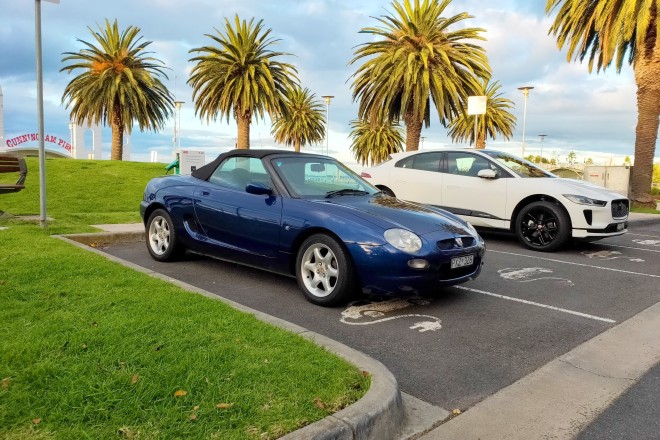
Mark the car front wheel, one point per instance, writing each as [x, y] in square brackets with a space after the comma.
[161, 237]
[324, 271]
[543, 226]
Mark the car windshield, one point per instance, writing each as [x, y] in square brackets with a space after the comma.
[519, 166]
[314, 176]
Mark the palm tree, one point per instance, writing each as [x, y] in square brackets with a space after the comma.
[119, 84]
[497, 119]
[619, 31]
[415, 59]
[303, 122]
[374, 141]
[240, 76]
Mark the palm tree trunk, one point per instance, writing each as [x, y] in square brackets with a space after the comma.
[481, 140]
[243, 121]
[117, 145]
[413, 131]
[647, 66]
[296, 144]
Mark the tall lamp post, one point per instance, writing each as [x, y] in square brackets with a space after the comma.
[525, 91]
[40, 112]
[327, 122]
[177, 124]
[542, 136]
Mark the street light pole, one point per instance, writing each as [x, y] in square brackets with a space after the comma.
[177, 124]
[525, 91]
[327, 122]
[542, 136]
[40, 112]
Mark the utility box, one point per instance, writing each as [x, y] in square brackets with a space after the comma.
[190, 160]
[614, 178]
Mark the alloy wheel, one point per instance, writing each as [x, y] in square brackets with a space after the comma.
[159, 235]
[319, 270]
[539, 227]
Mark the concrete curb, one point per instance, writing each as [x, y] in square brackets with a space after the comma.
[564, 396]
[380, 414]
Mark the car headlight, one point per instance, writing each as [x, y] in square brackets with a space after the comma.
[582, 200]
[403, 240]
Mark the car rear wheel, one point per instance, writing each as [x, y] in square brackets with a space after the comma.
[543, 226]
[161, 237]
[324, 271]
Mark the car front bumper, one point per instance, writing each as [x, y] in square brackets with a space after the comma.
[596, 222]
[382, 269]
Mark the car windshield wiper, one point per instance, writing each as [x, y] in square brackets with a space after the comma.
[346, 192]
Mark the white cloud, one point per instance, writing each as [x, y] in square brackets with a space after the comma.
[575, 109]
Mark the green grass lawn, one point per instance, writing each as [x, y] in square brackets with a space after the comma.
[82, 192]
[91, 349]
[641, 210]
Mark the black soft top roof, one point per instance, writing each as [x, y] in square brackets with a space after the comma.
[205, 172]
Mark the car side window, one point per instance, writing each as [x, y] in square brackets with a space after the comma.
[422, 161]
[467, 164]
[237, 172]
[406, 162]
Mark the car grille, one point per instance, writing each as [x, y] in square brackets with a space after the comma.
[456, 243]
[620, 208]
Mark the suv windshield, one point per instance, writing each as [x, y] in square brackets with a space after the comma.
[314, 176]
[519, 166]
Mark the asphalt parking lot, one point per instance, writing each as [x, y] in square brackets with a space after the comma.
[462, 344]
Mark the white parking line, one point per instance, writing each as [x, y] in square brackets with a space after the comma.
[577, 264]
[532, 303]
[643, 235]
[627, 247]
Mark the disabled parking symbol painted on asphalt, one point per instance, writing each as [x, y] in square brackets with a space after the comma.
[359, 313]
[527, 274]
[609, 255]
[647, 242]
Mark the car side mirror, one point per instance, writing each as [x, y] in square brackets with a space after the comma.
[258, 188]
[487, 173]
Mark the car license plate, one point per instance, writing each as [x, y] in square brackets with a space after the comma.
[466, 260]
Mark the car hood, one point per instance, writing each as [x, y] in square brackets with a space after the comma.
[389, 212]
[588, 189]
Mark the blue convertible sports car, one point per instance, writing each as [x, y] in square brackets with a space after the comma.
[308, 216]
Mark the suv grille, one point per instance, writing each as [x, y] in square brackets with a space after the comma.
[620, 208]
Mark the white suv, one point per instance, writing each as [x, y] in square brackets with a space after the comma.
[494, 189]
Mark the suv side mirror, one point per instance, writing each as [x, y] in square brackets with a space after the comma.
[487, 173]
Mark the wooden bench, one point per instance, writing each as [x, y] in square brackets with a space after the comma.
[12, 164]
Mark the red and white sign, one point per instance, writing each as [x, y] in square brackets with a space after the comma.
[34, 137]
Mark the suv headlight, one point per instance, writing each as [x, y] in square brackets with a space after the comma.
[403, 240]
[582, 200]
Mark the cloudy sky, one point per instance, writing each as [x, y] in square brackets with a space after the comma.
[591, 114]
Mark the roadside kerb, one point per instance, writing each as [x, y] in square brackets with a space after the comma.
[564, 396]
[639, 219]
[383, 413]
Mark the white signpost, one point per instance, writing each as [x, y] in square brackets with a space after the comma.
[476, 107]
